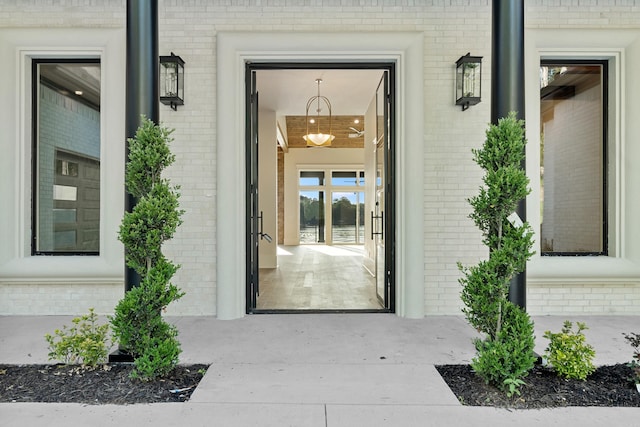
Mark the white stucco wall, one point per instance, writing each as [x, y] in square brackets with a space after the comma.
[437, 175]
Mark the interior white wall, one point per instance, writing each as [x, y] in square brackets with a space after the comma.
[268, 187]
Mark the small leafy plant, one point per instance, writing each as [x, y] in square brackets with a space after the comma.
[85, 342]
[634, 340]
[568, 352]
[513, 386]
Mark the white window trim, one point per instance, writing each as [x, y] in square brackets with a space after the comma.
[16, 262]
[620, 266]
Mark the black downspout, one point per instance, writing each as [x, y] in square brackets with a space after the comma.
[142, 84]
[507, 92]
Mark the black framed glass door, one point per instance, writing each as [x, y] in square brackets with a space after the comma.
[381, 274]
[253, 217]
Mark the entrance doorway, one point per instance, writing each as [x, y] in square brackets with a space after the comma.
[320, 220]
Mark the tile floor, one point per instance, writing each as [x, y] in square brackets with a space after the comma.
[318, 277]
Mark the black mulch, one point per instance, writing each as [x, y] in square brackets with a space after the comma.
[107, 384]
[607, 386]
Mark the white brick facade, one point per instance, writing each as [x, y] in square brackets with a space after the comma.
[448, 177]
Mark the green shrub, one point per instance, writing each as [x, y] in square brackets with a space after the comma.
[504, 360]
[161, 356]
[140, 329]
[505, 355]
[568, 352]
[634, 341]
[85, 342]
[137, 323]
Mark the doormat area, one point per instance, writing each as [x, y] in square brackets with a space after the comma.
[106, 384]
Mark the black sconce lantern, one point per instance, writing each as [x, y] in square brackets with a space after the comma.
[468, 80]
[172, 81]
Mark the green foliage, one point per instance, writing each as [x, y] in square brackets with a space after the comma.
[137, 324]
[506, 354]
[503, 361]
[512, 386]
[569, 353]
[149, 155]
[161, 355]
[634, 340]
[85, 342]
[137, 316]
[153, 220]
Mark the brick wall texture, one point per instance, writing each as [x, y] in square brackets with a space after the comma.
[451, 28]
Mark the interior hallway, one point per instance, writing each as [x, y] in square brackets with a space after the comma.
[318, 277]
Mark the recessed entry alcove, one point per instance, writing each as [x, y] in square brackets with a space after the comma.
[279, 70]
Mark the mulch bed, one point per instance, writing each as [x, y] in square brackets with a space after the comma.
[111, 384]
[106, 384]
[607, 386]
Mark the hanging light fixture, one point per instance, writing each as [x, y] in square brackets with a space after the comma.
[318, 139]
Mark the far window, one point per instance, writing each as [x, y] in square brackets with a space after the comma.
[66, 157]
[573, 157]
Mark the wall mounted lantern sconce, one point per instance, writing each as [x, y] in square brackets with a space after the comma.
[468, 80]
[172, 81]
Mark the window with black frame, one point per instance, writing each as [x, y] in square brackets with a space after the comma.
[66, 157]
[573, 157]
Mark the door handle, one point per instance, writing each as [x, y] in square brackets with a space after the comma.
[381, 232]
[261, 233]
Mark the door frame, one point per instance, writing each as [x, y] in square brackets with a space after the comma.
[388, 69]
[233, 50]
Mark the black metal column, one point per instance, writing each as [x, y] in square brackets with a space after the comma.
[142, 83]
[507, 91]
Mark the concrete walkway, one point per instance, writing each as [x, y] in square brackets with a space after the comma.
[318, 370]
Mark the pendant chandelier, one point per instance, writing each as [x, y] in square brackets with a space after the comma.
[318, 139]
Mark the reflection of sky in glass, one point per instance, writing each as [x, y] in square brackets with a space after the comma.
[313, 195]
[344, 181]
[347, 178]
[311, 178]
[343, 178]
[309, 181]
[351, 196]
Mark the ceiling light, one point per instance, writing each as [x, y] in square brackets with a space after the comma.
[318, 139]
[78, 92]
[356, 121]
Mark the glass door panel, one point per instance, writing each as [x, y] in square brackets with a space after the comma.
[347, 219]
[311, 217]
[377, 216]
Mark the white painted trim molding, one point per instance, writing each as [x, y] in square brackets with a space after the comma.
[234, 50]
[622, 49]
[18, 47]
